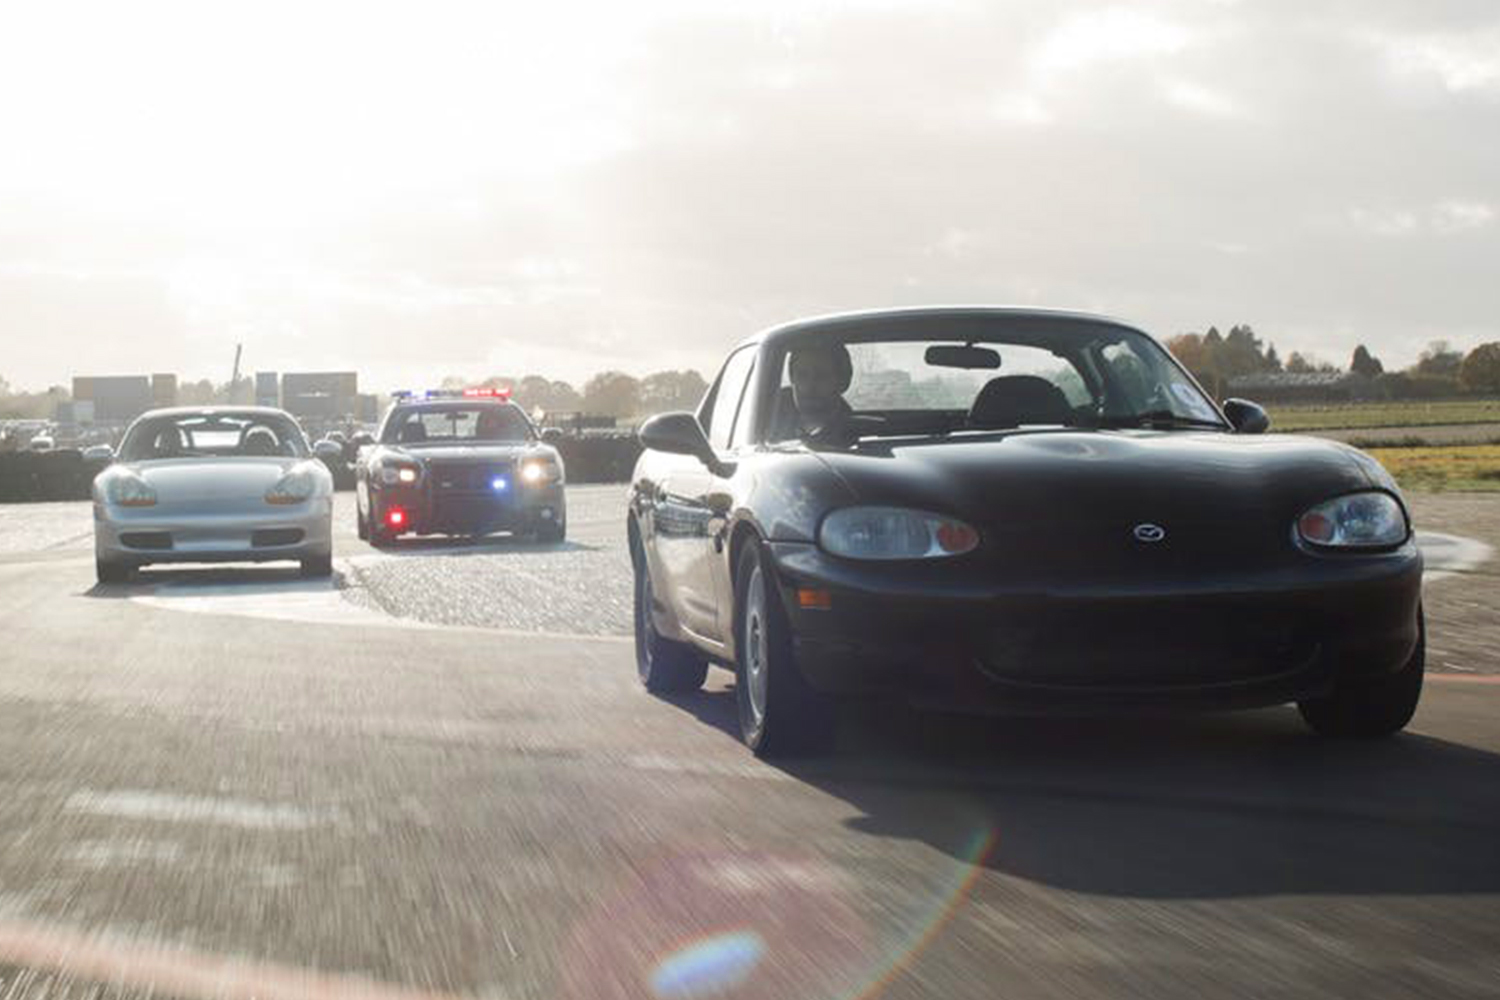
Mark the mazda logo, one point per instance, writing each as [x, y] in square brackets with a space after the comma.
[1149, 532]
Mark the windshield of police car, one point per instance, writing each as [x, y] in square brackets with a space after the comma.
[456, 424]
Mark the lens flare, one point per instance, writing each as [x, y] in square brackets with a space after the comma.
[711, 966]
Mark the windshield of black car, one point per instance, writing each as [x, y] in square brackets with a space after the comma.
[1107, 376]
[456, 424]
[214, 435]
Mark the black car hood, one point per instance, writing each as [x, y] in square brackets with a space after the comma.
[1066, 487]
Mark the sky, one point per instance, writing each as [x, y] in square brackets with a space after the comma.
[418, 190]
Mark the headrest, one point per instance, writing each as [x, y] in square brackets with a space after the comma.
[838, 354]
[412, 430]
[259, 441]
[1013, 400]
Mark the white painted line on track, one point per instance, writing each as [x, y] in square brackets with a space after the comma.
[1446, 555]
[172, 808]
[159, 968]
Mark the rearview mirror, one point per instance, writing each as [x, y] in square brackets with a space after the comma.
[1247, 417]
[681, 434]
[961, 356]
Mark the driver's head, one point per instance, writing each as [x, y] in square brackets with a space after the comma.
[819, 374]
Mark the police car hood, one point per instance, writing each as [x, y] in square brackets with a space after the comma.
[475, 454]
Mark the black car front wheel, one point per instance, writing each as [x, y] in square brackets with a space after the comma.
[665, 666]
[1374, 707]
[361, 523]
[780, 713]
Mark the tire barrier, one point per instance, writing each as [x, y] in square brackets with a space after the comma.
[599, 458]
[30, 477]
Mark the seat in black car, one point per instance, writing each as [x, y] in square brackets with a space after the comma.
[412, 431]
[1013, 400]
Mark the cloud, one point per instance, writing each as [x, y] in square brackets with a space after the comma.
[582, 188]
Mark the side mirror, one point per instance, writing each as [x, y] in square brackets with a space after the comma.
[329, 451]
[1247, 417]
[681, 434]
[552, 435]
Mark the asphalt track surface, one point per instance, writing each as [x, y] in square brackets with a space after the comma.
[230, 782]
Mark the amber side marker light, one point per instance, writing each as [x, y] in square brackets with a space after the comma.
[809, 599]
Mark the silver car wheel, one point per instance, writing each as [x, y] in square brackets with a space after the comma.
[757, 651]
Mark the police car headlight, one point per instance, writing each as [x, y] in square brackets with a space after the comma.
[894, 533]
[1370, 520]
[392, 475]
[126, 489]
[537, 471]
[297, 486]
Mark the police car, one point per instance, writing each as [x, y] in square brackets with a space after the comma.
[459, 463]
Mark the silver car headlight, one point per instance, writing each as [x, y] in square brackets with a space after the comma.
[297, 486]
[1369, 520]
[126, 489]
[894, 533]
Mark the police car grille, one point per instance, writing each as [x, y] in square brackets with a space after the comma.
[467, 478]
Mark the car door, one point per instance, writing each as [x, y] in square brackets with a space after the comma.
[688, 512]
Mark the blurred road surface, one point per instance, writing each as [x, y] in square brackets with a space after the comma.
[441, 778]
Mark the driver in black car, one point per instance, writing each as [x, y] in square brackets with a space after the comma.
[814, 409]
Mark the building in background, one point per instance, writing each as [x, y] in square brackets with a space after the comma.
[267, 389]
[320, 395]
[114, 398]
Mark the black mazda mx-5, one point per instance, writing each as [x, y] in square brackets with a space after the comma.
[1000, 509]
[466, 463]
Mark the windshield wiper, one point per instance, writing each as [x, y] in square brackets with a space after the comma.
[1158, 418]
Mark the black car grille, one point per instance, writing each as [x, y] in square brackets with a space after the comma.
[1165, 643]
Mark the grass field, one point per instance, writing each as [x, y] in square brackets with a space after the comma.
[1336, 416]
[1459, 467]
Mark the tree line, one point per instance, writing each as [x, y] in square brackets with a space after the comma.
[1216, 359]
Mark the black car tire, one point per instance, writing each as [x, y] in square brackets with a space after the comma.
[780, 714]
[664, 665]
[113, 570]
[318, 566]
[1373, 708]
[361, 523]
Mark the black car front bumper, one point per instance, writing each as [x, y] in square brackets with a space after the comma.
[948, 637]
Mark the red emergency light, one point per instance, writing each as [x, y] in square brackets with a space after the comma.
[487, 393]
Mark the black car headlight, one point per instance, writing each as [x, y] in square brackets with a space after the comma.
[894, 533]
[1369, 520]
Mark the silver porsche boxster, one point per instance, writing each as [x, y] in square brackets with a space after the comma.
[214, 484]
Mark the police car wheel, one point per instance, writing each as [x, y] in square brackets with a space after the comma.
[664, 666]
[552, 531]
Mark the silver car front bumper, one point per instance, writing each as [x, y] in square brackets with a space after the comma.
[250, 531]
